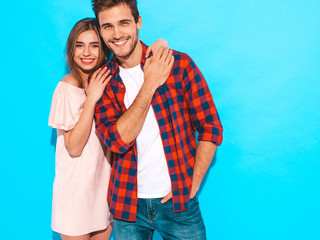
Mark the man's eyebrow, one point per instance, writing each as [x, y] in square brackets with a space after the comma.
[122, 20]
[126, 20]
[105, 24]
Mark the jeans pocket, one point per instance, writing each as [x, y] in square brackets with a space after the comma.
[193, 202]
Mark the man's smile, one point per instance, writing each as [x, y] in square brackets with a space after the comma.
[120, 43]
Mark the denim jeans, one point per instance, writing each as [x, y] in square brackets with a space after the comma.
[153, 215]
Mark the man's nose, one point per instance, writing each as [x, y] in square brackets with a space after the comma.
[117, 33]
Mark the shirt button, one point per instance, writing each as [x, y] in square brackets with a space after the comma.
[175, 188]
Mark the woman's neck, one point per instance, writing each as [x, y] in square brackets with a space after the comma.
[81, 78]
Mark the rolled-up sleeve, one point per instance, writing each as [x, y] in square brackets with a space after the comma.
[106, 116]
[202, 110]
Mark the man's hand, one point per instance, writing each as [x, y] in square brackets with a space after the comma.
[167, 197]
[194, 190]
[204, 154]
[158, 68]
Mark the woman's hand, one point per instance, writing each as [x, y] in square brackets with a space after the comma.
[158, 68]
[77, 138]
[154, 48]
[97, 84]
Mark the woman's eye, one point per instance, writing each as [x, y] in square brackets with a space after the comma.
[78, 45]
[95, 46]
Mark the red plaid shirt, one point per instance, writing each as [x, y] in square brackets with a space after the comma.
[181, 106]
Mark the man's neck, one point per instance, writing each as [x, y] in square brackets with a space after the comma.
[133, 59]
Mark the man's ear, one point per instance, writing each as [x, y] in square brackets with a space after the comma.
[139, 23]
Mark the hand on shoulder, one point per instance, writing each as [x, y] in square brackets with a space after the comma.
[158, 67]
[98, 82]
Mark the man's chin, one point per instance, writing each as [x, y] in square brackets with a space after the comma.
[122, 54]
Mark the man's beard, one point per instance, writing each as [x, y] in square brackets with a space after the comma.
[132, 48]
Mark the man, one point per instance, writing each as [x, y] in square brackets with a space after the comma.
[149, 120]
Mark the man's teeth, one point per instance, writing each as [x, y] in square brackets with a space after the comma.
[120, 43]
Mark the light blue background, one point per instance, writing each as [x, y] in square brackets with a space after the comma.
[261, 60]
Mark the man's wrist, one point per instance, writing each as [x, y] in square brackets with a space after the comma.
[149, 87]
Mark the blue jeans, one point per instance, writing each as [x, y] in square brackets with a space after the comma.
[153, 215]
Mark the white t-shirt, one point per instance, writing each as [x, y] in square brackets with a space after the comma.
[153, 175]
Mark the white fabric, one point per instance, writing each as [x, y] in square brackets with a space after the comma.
[79, 204]
[153, 175]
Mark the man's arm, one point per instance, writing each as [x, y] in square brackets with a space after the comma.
[204, 155]
[156, 72]
[117, 130]
[205, 120]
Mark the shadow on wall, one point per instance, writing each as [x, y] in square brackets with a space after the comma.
[56, 236]
[53, 140]
[66, 69]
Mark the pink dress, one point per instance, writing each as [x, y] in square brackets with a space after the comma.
[79, 204]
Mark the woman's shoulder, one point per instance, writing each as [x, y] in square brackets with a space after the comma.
[67, 103]
[71, 79]
[68, 86]
[70, 83]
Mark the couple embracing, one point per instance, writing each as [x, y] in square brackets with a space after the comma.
[128, 134]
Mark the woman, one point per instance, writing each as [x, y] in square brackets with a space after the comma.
[79, 206]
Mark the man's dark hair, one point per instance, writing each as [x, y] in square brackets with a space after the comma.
[101, 5]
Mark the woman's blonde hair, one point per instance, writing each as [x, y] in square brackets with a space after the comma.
[81, 26]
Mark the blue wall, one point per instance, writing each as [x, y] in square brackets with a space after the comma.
[262, 62]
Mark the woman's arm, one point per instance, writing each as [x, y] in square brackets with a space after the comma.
[77, 138]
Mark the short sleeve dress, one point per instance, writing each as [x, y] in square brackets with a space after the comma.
[79, 204]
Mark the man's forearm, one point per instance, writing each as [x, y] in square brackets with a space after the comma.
[204, 155]
[131, 122]
[156, 71]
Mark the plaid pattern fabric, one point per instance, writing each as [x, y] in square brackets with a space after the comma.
[182, 105]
